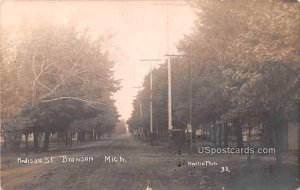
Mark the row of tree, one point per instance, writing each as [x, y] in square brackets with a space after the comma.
[55, 79]
[245, 58]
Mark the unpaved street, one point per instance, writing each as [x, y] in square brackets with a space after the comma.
[139, 164]
[143, 163]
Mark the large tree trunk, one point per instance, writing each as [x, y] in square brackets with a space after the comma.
[71, 139]
[16, 142]
[58, 138]
[91, 136]
[77, 137]
[277, 121]
[249, 142]
[26, 142]
[225, 135]
[239, 135]
[86, 136]
[35, 141]
[214, 134]
[66, 139]
[278, 147]
[95, 136]
[268, 136]
[46, 141]
[81, 136]
[220, 134]
[194, 133]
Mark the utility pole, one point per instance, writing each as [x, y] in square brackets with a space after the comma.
[140, 130]
[170, 125]
[151, 99]
[167, 4]
[190, 105]
[151, 109]
[189, 125]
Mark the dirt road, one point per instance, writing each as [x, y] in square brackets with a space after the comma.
[117, 164]
[134, 164]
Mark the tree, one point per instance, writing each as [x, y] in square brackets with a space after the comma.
[121, 127]
[245, 57]
[45, 68]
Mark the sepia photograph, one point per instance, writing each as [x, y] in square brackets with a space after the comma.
[150, 94]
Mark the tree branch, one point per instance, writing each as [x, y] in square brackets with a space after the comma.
[73, 98]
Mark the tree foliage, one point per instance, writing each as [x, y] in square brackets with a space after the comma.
[246, 66]
[54, 75]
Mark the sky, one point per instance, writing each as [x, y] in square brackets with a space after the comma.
[139, 30]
